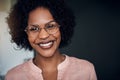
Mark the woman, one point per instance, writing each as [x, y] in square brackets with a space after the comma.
[45, 26]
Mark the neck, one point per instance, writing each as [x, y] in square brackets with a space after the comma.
[48, 63]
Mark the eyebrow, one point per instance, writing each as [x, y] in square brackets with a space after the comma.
[36, 25]
[33, 25]
[51, 21]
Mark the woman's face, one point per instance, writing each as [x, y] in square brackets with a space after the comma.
[46, 43]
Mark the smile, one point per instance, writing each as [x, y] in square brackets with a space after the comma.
[46, 45]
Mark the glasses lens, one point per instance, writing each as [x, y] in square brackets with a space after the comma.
[33, 29]
[52, 27]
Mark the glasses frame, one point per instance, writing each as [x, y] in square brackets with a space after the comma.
[39, 29]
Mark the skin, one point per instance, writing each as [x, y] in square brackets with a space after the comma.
[48, 57]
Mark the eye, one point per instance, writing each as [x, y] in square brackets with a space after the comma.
[33, 29]
[50, 26]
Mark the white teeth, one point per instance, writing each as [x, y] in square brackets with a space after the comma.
[46, 44]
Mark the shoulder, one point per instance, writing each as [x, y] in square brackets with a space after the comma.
[18, 70]
[20, 67]
[82, 69]
[81, 63]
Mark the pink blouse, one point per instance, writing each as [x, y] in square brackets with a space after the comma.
[70, 69]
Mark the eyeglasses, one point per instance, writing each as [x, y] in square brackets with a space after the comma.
[51, 28]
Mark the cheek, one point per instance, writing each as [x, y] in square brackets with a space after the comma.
[58, 36]
[31, 40]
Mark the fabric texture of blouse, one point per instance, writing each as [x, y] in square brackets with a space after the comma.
[70, 69]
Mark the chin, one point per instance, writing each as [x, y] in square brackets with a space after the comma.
[47, 53]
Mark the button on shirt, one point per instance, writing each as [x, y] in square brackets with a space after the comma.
[70, 69]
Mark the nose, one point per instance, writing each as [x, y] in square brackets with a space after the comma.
[43, 34]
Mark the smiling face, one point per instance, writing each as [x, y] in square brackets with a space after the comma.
[45, 44]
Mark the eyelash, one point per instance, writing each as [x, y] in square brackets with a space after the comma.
[34, 29]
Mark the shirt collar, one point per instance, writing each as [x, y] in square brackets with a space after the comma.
[61, 66]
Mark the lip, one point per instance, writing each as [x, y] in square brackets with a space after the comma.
[46, 44]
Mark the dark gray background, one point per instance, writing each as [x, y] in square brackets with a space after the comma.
[96, 35]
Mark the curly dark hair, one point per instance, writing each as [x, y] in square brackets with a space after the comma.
[18, 17]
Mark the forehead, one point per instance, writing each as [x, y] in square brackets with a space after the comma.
[40, 15]
[50, 23]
